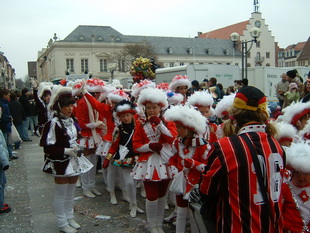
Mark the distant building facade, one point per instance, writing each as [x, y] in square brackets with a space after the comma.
[88, 49]
[262, 54]
[7, 73]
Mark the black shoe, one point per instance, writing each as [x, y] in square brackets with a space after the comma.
[5, 209]
[13, 157]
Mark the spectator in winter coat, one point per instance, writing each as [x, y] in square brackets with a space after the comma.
[26, 105]
[18, 115]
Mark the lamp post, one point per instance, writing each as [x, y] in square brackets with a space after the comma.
[234, 37]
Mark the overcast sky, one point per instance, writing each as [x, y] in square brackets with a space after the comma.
[27, 26]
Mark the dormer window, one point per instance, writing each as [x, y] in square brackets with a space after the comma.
[169, 50]
[208, 51]
[226, 52]
[118, 38]
[100, 38]
[190, 51]
[81, 38]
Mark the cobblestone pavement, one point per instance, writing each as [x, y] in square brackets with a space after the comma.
[30, 192]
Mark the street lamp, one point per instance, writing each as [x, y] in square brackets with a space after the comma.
[234, 37]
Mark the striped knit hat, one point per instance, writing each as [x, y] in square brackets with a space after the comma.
[251, 98]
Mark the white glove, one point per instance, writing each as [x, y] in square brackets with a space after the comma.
[70, 151]
[93, 125]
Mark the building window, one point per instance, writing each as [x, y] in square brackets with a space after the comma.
[200, 63]
[103, 65]
[267, 54]
[181, 63]
[171, 64]
[84, 65]
[249, 54]
[258, 44]
[69, 65]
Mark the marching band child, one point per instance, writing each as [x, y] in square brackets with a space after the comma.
[180, 84]
[188, 162]
[121, 152]
[152, 139]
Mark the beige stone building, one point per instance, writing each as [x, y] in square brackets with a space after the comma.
[87, 50]
[7, 73]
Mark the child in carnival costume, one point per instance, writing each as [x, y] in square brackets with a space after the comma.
[297, 114]
[92, 125]
[221, 112]
[296, 192]
[152, 138]
[63, 159]
[180, 84]
[203, 101]
[121, 152]
[106, 110]
[187, 164]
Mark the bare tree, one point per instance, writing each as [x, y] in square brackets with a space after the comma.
[125, 57]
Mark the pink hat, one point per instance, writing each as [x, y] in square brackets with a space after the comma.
[292, 86]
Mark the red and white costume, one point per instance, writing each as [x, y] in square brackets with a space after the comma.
[151, 166]
[178, 81]
[296, 198]
[188, 163]
[204, 99]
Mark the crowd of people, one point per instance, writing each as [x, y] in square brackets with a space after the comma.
[193, 143]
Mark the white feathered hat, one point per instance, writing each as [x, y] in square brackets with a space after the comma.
[125, 106]
[96, 85]
[200, 99]
[293, 112]
[44, 87]
[298, 156]
[188, 117]
[58, 93]
[117, 95]
[152, 95]
[178, 81]
[77, 88]
[174, 98]
[222, 106]
[285, 131]
[138, 87]
[163, 86]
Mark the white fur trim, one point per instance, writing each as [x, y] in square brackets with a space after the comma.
[77, 87]
[298, 156]
[125, 107]
[285, 130]
[138, 87]
[179, 80]
[295, 108]
[44, 86]
[174, 98]
[117, 96]
[305, 130]
[224, 104]
[57, 91]
[200, 99]
[152, 95]
[188, 116]
[96, 85]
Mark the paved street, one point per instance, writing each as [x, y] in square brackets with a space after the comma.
[30, 192]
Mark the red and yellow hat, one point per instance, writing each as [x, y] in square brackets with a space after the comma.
[251, 98]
